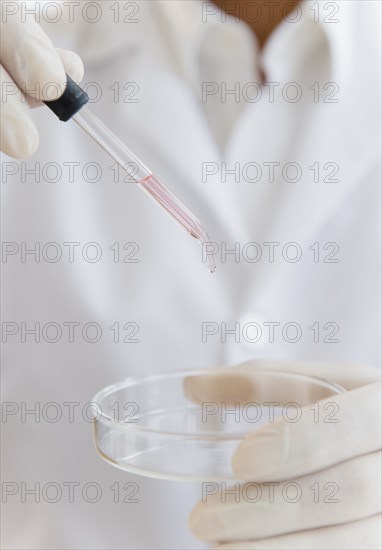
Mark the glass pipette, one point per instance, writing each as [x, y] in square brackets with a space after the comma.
[72, 104]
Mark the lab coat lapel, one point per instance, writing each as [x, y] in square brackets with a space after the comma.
[314, 135]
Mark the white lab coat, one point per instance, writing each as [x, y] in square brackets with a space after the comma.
[170, 293]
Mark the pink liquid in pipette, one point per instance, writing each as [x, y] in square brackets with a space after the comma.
[149, 183]
[178, 212]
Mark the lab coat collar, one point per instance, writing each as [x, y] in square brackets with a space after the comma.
[189, 30]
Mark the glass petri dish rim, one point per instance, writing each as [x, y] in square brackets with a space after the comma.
[100, 416]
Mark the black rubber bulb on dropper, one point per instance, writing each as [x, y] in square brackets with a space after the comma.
[71, 101]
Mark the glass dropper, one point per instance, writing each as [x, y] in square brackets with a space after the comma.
[72, 104]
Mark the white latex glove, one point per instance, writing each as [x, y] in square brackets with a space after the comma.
[27, 59]
[345, 454]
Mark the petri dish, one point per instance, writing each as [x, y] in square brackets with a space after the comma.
[187, 425]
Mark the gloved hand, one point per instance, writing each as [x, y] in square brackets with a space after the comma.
[29, 62]
[337, 467]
